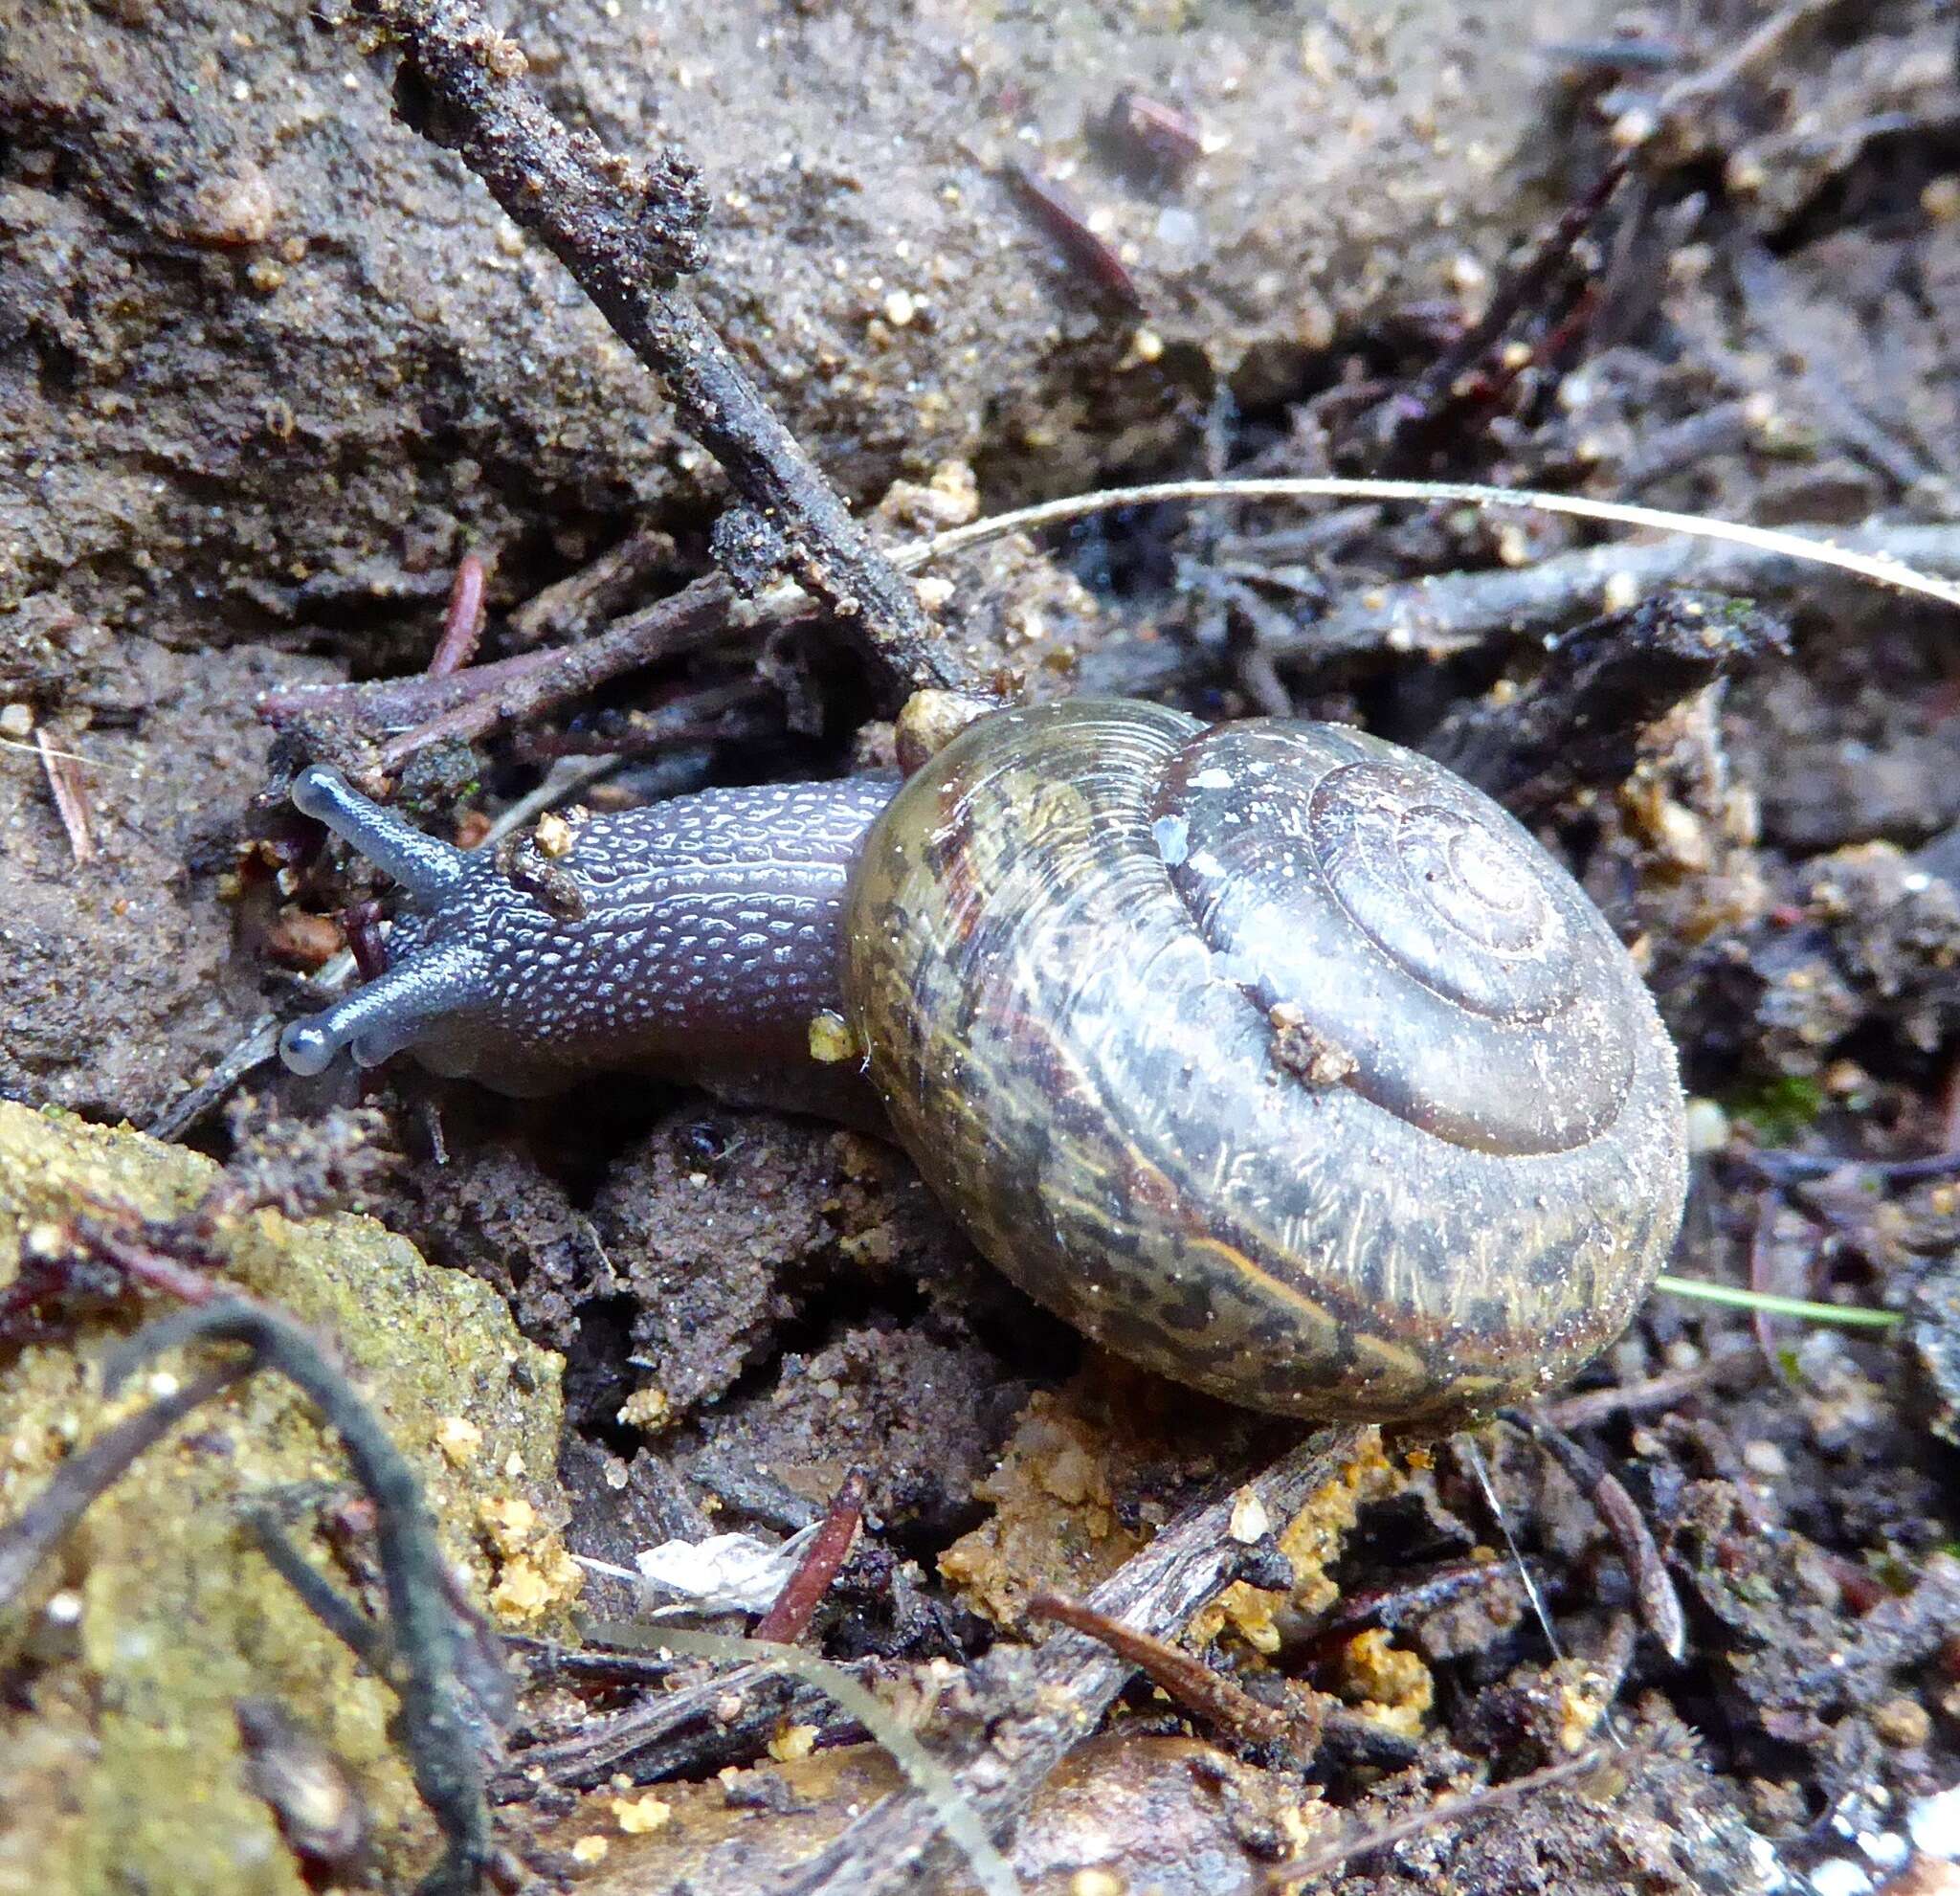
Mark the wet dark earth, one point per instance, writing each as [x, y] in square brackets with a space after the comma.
[273, 367]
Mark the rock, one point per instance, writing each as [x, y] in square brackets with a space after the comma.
[131, 1649]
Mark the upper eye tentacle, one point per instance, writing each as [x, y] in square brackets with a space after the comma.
[427, 867]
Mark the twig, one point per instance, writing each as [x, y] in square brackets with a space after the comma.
[115, 1239]
[321, 1598]
[1786, 1169]
[71, 800]
[85, 1477]
[463, 624]
[1062, 1690]
[688, 1729]
[1722, 428]
[430, 1641]
[258, 1044]
[539, 679]
[467, 704]
[1771, 303]
[712, 714]
[950, 1806]
[1475, 1803]
[139, 1261]
[1436, 394]
[381, 705]
[785, 1620]
[1062, 218]
[1763, 1259]
[627, 231]
[1654, 1593]
[570, 608]
[1741, 58]
[1401, 1600]
[1187, 1680]
[1591, 1407]
[1446, 613]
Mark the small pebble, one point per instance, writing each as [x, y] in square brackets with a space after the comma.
[1839, 1876]
[1765, 1458]
[1902, 1722]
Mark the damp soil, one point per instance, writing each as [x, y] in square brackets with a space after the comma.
[271, 364]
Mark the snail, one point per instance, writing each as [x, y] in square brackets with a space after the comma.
[1271, 1056]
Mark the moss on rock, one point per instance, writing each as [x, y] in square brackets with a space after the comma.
[121, 1764]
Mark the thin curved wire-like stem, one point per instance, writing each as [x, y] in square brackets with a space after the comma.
[1876, 567]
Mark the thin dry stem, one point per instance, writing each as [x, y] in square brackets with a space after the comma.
[1879, 568]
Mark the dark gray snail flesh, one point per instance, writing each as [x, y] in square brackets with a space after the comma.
[1273, 1057]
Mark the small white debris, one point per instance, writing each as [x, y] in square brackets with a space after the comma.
[1839, 1876]
[1215, 777]
[724, 1573]
[1934, 1823]
[1765, 1458]
[1250, 1522]
[1172, 837]
[1708, 1127]
[1887, 1848]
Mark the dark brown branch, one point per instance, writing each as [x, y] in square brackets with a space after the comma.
[691, 1730]
[462, 624]
[571, 607]
[537, 681]
[1059, 1693]
[714, 714]
[626, 231]
[1189, 1680]
[71, 797]
[803, 1590]
[1442, 390]
[1590, 1407]
[1402, 1600]
[470, 703]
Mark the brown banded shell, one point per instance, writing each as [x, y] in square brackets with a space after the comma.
[1271, 1056]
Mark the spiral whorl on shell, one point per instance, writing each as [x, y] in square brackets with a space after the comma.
[1274, 1057]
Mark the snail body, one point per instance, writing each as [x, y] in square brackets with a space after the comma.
[1269, 1055]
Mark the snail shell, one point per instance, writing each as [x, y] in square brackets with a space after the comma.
[1271, 1056]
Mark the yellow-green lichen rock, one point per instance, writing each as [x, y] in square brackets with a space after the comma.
[121, 1768]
